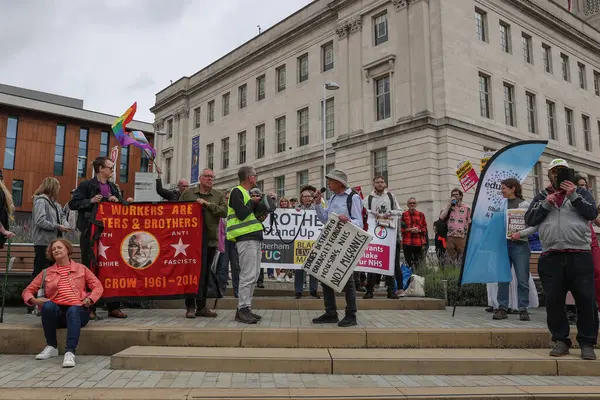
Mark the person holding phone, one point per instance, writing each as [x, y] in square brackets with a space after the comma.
[563, 213]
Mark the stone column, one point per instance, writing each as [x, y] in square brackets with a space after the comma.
[181, 145]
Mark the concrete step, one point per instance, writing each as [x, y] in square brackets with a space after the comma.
[274, 289]
[307, 303]
[354, 361]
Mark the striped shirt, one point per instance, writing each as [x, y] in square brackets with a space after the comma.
[66, 295]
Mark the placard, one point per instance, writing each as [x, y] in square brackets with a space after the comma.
[466, 175]
[380, 254]
[515, 221]
[145, 187]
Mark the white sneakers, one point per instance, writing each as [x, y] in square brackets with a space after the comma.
[50, 352]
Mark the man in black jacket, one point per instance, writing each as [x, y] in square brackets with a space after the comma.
[84, 199]
[173, 194]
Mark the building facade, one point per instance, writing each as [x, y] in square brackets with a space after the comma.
[423, 85]
[45, 135]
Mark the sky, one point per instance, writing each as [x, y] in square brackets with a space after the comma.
[111, 53]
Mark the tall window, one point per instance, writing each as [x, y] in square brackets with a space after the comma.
[260, 88]
[104, 141]
[82, 152]
[379, 163]
[302, 178]
[547, 58]
[509, 104]
[303, 126]
[582, 76]
[382, 98]
[380, 24]
[505, 43]
[59, 149]
[168, 167]
[210, 156]
[531, 112]
[527, 48]
[243, 93]
[587, 138]
[330, 115]
[597, 83]
[538, 178]
[17, 192]
[281, 78]
[569, 126]
[242, 148]
[485, 108]
[303, 68]
[197, 117]
[260, 141]
[144, 162]
[566, 70]
[280, 134]
[280, 186]
[551, 112]
[226, 98]
[11, 142]
[169, 128]
[481, 25]
[592, 184]
[124, 167]
[327, 56]
[225, 152]
[261, 185]
[211, 111]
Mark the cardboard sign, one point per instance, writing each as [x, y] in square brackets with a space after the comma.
[380, 254]
[515, 221]
[145, 187]
[486, 157]
[466, 175]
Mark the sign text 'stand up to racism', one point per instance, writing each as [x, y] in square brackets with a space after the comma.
[149, 250]
[336, 252]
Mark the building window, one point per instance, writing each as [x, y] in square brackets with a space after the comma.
[531, 112]
[280, 186]
[260, 141]
[242, 148]
[82, 152]
[381, 29]
[551, 111]
[509, 105]
[379, 163]
[243, 93]
[211, 111]
[169, 128]
[582, 77]
[124, 167]
[17, 192]
[547, 58]
[261, 186]
[280, 78]
[225, 152]
[144, 162]
[592, 185]
[485, 108]
[566, 71]
[587, 138]
[330, 115]
[59, 149]
[538, 178]
[481, 25]
[11, 142]
[327, 56]
[210, 156]
[280, 134]
[569, 126]
[303, 126]
[301, 180]
[597, 83]
[104, 138]
[197, 118]
[527, 48]
[505, 43]
[260, 88]
[329, 168]
[303, 68]
[226, 98]
[382, 98]
[168, 163]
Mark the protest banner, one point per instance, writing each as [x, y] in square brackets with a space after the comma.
[380, 254]
[515, 221]
[195, 168]
[114, 155]
[336, 252]
[486, 157]
[466, 175]
[149, 251]
[145, 187]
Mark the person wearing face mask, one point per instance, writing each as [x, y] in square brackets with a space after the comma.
[563, 212]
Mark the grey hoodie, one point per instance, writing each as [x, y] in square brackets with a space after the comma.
[47, 216]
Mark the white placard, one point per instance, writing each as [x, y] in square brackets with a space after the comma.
[145, 187]
[380, 254]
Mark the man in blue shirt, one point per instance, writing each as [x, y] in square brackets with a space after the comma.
[338, 184]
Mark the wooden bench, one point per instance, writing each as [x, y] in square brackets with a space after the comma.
[533, 264]
[22, 256]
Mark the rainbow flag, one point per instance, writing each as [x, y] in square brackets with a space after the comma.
[135, 138]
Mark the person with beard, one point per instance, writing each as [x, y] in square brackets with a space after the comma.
[564, 212]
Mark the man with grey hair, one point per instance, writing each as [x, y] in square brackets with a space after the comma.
[173, 194]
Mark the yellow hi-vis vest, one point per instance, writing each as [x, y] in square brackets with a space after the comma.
[236, 227]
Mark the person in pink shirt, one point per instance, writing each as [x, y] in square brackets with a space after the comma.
[458, 217]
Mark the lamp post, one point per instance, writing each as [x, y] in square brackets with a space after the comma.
[77, 169]
[327, 86]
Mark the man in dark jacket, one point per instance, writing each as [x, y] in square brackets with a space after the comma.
[84, 199]
[172, 194]
[563, 213]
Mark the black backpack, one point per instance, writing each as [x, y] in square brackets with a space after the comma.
[349, 207]
[441, 225]
[370, 200]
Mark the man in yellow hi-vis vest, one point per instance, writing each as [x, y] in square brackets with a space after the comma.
[247, 232]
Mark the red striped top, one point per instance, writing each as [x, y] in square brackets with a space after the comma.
[66, 294]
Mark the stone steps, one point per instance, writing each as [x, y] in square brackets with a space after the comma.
[354, 361]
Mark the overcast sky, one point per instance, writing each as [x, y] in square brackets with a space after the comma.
[111, 53]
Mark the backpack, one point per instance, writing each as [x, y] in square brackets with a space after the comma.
[370, 200]
[365, 216]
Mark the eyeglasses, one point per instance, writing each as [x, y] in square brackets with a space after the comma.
[111, 168]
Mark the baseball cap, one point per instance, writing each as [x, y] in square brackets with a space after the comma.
[558, 162]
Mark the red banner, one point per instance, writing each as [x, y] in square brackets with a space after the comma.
[149, 250]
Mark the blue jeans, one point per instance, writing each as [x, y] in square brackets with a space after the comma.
[299, 282]
[71, 317]
[518, 255]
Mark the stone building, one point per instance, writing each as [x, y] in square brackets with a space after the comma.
[423, 84]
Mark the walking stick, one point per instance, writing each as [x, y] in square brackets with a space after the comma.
[5, 282]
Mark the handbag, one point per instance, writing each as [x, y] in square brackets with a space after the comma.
[41, 293]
